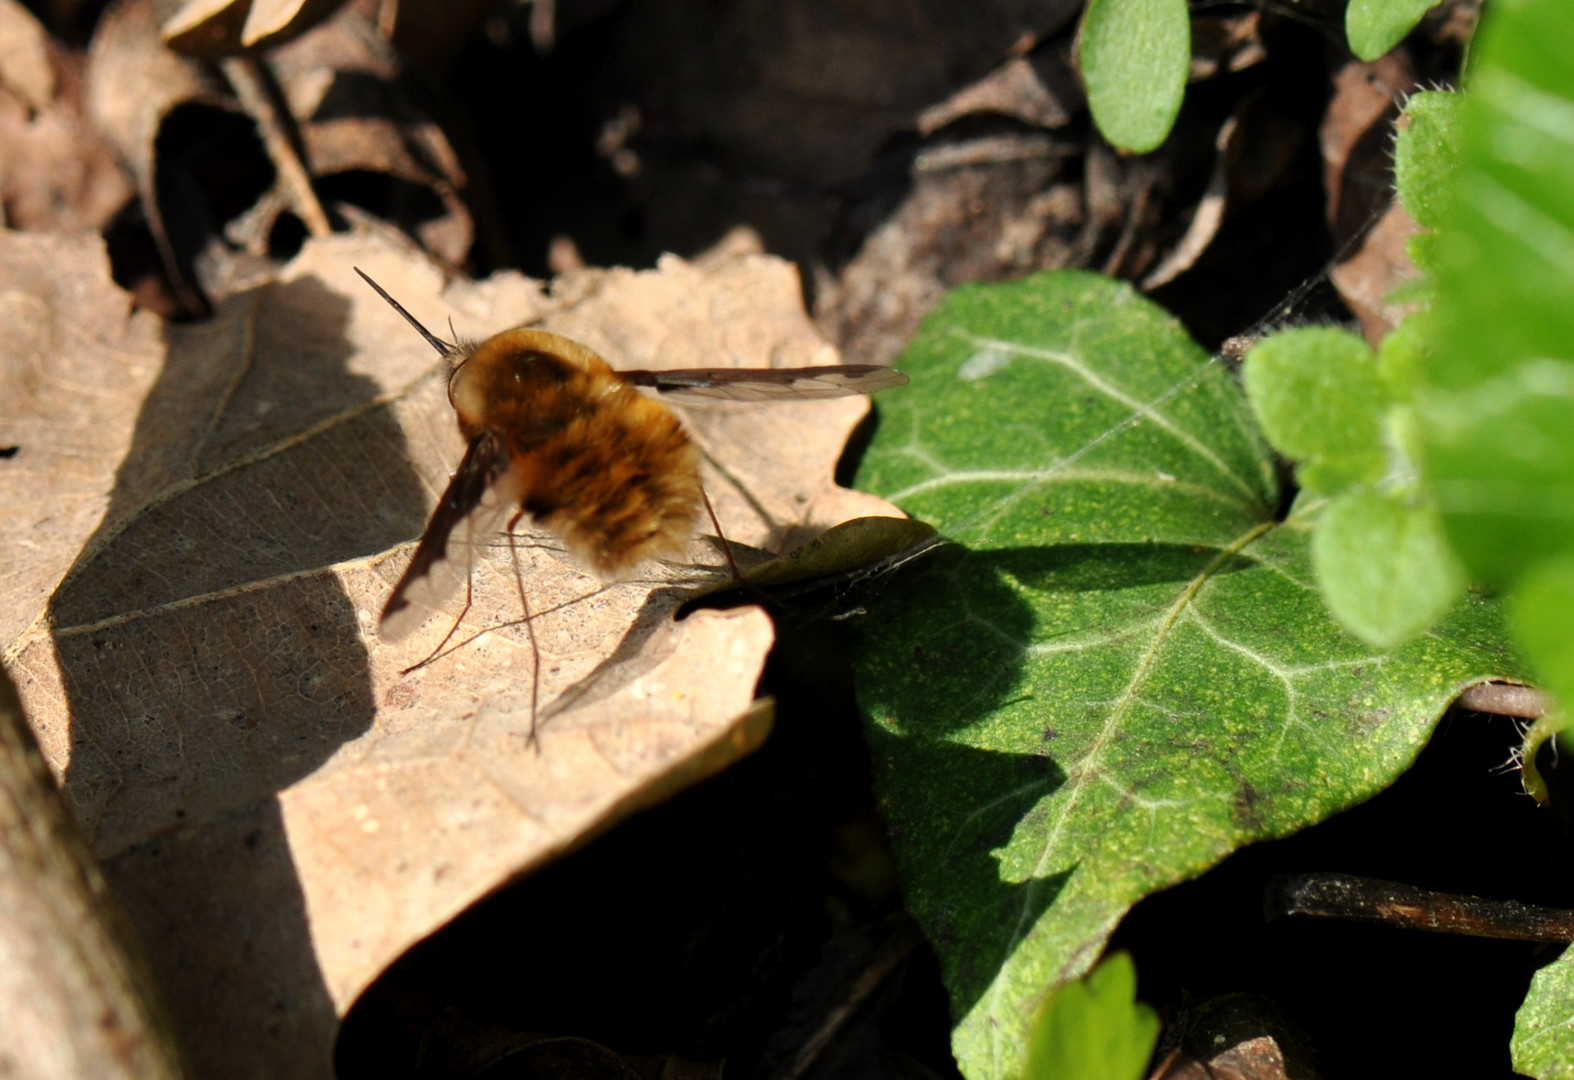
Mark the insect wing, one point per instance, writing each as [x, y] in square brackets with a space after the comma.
[767, 384]
[470, 512]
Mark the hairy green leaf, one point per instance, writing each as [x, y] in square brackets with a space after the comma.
[1320, 398]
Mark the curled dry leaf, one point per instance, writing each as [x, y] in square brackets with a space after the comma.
[225, 511]
[202, 173]
[56, 173]
[1040, 90]
[1369, 225]
[339, 83]
[1356, 138]
[1254, 148]
[1370, 276]
[133, 84]
[214, 28]
[25, 70]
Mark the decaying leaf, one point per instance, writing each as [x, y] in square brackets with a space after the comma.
[201, 161]
[212, 28]
[340, 83]
[280, 808]
[56, 173]
[74, 361]
[25, 69]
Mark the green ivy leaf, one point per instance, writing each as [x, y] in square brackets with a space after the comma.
[1372, 27]
[1320, 398]
[1126, 673]
[1543, 1042]
[1135, 55]
[1095, 1028]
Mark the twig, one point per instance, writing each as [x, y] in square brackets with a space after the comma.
[1506, 699]
[876, 973]
[246, 77]
[75, 998]
[1345, 896]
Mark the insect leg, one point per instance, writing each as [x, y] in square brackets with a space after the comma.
[435, 653]
[530, 628]
[726, 548]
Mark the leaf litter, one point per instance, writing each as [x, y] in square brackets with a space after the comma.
[283, 811]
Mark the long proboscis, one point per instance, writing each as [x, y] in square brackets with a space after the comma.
[443, 347]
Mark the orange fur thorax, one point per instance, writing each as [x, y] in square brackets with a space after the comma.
[592, 459]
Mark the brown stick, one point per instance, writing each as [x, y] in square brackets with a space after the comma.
[1345, 896]
[1506, 699]
[247, 80]
[76, 999]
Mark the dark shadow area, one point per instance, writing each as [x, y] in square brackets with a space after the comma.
[722, 926]
[208, 667]
[1276, 244]
[968, 903]
[1104, 567]
[405, 203]
[210, 167]
[942, 653]
[951, 638]
[1374, 1001]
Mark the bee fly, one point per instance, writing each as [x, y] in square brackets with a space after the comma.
[555, 434]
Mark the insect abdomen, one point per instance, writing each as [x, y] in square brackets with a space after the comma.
[609, 470]
[620, 484]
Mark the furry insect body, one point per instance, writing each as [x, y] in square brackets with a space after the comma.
[591, 459]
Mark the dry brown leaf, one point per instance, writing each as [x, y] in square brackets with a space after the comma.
[73, 356]
[133, 84]
[1356, 139]
[339, 82]
[1041, 90]
[213, 28]
[1375, 271]
[56, 173]
[25, 69]
[1369, 226]
[281, 810]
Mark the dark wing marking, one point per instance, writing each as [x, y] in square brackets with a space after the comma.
[767, 384]
[468, 513]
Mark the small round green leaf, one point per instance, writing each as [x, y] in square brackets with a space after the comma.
[1320, 399]
[1384, 567]
[1135, 55]
[1372, 27]
[1094, 1028]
